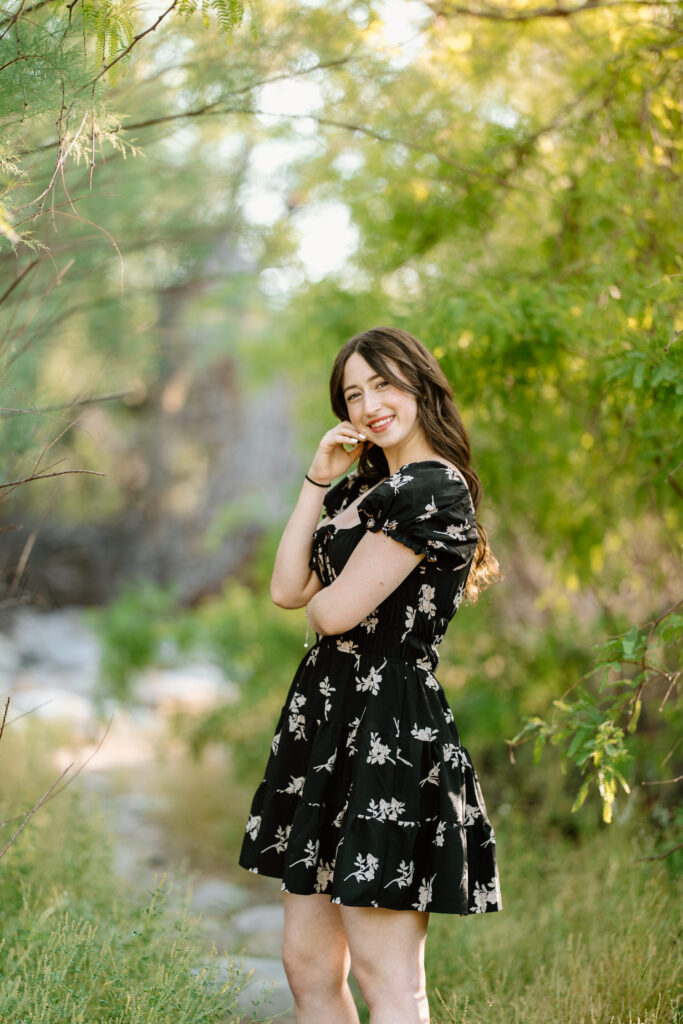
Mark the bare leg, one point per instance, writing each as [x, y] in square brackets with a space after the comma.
[387, 959]
[317, 960]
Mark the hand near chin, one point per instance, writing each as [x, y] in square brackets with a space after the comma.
[331, 458]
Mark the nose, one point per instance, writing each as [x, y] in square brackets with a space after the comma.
[371, 406]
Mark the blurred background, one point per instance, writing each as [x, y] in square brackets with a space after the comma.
[200, 202]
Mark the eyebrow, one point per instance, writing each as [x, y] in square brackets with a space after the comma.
[349, 386]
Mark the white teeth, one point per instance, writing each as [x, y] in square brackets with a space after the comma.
[380, 423]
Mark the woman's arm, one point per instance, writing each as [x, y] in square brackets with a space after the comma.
[293, 584]
[376, 567]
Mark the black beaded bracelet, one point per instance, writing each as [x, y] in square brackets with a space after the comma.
[316, 482]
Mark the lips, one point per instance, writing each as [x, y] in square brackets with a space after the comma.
[381, 423]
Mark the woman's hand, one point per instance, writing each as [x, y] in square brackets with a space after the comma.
[331, 459]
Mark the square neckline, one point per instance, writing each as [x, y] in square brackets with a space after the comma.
[417, 462]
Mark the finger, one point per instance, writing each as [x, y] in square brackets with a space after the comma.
[346, 439]
[352, 432]
[346, 426]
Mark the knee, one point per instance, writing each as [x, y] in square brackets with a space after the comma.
[391, 984]
[313, 970]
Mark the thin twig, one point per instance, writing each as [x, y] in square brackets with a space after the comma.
[78, 771]
[45, 476]
[660, 856]
[109, 397]
[668, 692]
[33, 810]
[136, 39]
[30, 711]
[23, 559]
[88, 759]
[4, 718]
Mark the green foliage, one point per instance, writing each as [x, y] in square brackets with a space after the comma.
[75, 947]
[130, 633]
[256, 644]
[592, 731]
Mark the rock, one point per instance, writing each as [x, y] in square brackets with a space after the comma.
[267, 973]
[130, 742]
[265, 917]
[9, 658]
[261, 928]
[58, 639]
[51, 704]
[217, 932]
[193, 688]
[217, 896]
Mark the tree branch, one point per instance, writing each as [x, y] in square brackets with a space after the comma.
[558, 11]
[134, 41]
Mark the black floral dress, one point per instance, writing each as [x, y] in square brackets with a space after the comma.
[368, 794]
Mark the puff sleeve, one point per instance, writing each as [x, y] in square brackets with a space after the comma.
[427, 507]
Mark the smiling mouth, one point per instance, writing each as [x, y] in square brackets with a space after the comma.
[381, 424]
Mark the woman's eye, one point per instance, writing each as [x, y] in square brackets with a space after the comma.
[382, 384]
[354, 394]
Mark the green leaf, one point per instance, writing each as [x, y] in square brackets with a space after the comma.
[581, 795]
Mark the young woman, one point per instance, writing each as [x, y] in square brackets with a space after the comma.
[370, 810]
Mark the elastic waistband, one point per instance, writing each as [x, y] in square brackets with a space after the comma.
[383, 645]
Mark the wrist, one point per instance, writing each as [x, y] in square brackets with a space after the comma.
[317, 481]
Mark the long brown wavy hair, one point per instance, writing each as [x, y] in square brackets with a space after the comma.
[387, 349]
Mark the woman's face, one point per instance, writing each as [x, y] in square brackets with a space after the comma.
[384, 413]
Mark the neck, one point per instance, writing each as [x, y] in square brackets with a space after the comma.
[399, 455]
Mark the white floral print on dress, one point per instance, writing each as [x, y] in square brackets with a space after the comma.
[439, 837]
[456, 531]
[424, 896]
[371, 681]
[426, 600]
[431, 682]
[379, 752]
[398, 480]
[253, 825]
[430, 509]
[297, 721]
[483, 894]
[472, 814]
[385, 810]
[433, 775]
[324, 876]
[410, 621]
[405, 875]
[454, 756]
[312, 656]
[281, 840]
[426, 733]
[369, 623]
[347, 646]
[365, 868]
[351, 738]
[294, 786]
[328, 765]
[310, 855]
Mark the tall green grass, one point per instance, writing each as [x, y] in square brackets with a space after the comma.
[589, 934]
[75, 946]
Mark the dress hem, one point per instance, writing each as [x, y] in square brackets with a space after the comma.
[375, 905]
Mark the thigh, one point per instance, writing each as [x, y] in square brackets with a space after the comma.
[392, 941]
[313, 925]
